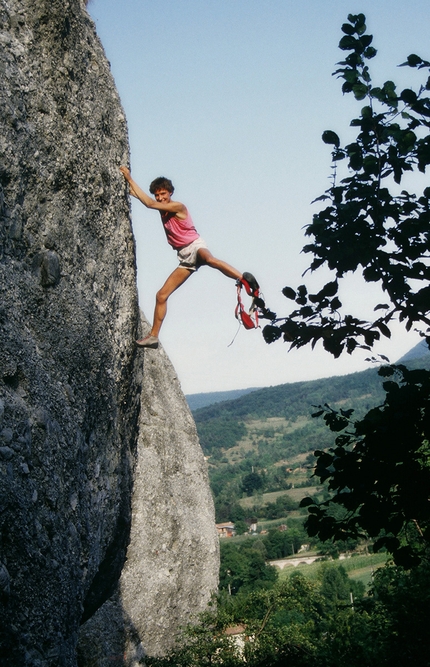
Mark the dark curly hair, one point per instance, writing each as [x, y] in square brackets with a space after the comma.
[161, 183]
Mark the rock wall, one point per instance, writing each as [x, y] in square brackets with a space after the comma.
[172, 560]
[70, 378]
[68, 318]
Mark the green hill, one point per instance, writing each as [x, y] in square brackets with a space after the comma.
[283, 409]
[263, 441]
[196, 401]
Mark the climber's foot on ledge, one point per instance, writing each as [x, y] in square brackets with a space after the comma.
[148, 341]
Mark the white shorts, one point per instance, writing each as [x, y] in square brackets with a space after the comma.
[187, 255]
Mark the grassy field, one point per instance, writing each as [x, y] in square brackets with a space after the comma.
[260, 430]
[294, 494]
[360, 568]
[274, 523]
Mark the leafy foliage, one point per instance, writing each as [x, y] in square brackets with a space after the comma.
[369, 224]
[336, 587]
[303, 623]
[243, 567]
[273, 441]
[379, 470]
[226, 431]
[400, 606]
[252, 482]
[244, 564]
[279, 544]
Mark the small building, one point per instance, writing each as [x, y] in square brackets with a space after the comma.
[252, 525]
[226, 529]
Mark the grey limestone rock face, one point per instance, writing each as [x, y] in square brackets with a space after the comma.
[172, 559]
[68, 316]
[70, 377]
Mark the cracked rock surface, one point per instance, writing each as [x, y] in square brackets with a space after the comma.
[172, 559]
[72, 444]
[68, 316]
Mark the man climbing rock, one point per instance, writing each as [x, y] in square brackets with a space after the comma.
[191, 249]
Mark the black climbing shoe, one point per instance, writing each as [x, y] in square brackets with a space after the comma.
[250, 284]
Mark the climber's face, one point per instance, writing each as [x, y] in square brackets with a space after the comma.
[163, 196]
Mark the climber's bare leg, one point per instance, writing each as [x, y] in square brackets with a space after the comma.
[175, 280]
[207, 258]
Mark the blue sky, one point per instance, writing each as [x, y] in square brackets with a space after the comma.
[229, 99]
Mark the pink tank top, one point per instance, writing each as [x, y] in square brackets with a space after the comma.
[179, 232]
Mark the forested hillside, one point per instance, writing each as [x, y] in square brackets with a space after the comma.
[263, 442]
[196, 401]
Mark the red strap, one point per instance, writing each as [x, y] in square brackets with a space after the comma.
[248, 289]
[249, 320]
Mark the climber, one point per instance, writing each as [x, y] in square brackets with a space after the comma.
[192, 251]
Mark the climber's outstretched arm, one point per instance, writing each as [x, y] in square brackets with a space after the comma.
[162, 202]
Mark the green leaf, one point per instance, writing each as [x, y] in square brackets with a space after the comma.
[271, 333]
[408, 96]
[306, 311]
[381, 306]
[335, 422]
[333, 346]
[377, 93]
[360, 91]
[366, 40]
[289, 293]
[370, 52]
[330, 289]
[413, 60]
[348, 42]
[406, 558]
[350, 75]
[337, 155]
[348, 29]
[389, 89]
[355, 156]
[371, 164]
[383, 329]
[390, 386]
[360, 24]
[371, 274]
[330, 137]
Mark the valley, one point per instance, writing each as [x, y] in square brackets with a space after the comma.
[259, 446]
